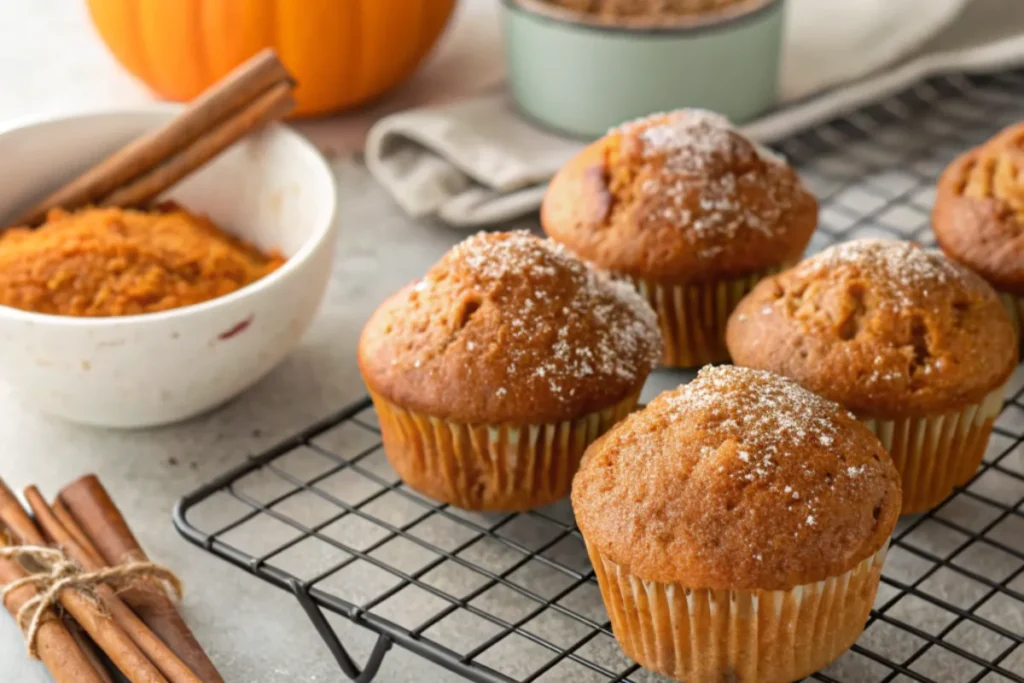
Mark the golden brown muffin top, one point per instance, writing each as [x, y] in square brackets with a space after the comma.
[508, 327]
[680, 197]
[740, 479]
[979, 210]
[885, 328]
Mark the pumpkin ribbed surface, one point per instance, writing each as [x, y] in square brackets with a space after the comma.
[342, 53]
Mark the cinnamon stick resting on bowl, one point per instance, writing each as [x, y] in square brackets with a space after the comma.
[256, 93]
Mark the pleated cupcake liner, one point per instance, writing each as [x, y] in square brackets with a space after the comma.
[1015, 307]
[693, 316]
[936, 454]
[501, 467]
[742, 636]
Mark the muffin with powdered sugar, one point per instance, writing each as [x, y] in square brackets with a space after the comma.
[737, 526]
[914, 344]
[493, 373]
[979, 215]
[688, 210]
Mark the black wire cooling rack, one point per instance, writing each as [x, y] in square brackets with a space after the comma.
[513, 599]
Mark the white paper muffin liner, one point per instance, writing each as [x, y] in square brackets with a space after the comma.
[693, 316]
[936, 454]
[501, 467]
[741, 636]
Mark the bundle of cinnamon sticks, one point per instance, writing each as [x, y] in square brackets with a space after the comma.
[254, 94]
[139, 630]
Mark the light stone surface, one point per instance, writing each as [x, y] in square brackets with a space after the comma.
[51, 62]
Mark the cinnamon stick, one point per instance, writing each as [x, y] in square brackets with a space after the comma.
[60, 510]
[110, 637]
[271, 105]
[142, 155]
[87, 647]
[58, 650]
[88, 512]
[161, 656]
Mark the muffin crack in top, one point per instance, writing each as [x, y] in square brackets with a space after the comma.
[701, 156]
[775, 419]
[997, 172]
[740, 479]
[680, 196]
[514, 326]
[903, 273]
[979, 210]
[883, 327]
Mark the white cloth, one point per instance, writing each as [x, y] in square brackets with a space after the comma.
[476, 162]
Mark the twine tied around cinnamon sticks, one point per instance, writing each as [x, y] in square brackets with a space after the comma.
[59, 573]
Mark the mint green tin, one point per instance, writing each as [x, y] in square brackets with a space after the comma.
[582, 78]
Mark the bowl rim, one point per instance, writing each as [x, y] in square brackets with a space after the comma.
[716, 21]
[291, 264]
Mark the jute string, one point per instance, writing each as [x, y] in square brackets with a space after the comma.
[59, 573]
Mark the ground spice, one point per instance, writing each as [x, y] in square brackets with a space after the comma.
[115, 262]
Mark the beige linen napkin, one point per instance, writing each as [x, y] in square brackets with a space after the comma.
[476, 162]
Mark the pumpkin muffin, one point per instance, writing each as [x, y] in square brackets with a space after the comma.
[737, 527]
[979, 215]
[915, 345]
[689, 211]
[493, 373]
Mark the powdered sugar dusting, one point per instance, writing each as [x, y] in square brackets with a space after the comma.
[595, 327]
[705, 164]
[771, 417]
[688, 139]
[902, 271]
[769, 414]
[518, 254]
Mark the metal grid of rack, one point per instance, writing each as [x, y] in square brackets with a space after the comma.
[512, 598]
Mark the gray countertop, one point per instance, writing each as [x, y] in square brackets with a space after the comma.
[255, 632]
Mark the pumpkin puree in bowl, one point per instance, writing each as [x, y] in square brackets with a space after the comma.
[115, 262]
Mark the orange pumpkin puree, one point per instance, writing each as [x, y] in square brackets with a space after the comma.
[113, 262]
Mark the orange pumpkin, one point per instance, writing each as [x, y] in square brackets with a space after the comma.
[342, 52]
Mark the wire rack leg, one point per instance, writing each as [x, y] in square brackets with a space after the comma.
[341, 656]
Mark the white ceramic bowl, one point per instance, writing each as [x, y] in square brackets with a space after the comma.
[273, 189]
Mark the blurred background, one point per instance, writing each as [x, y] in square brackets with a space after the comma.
[437, 117]
[359, 60]
[522, 82]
